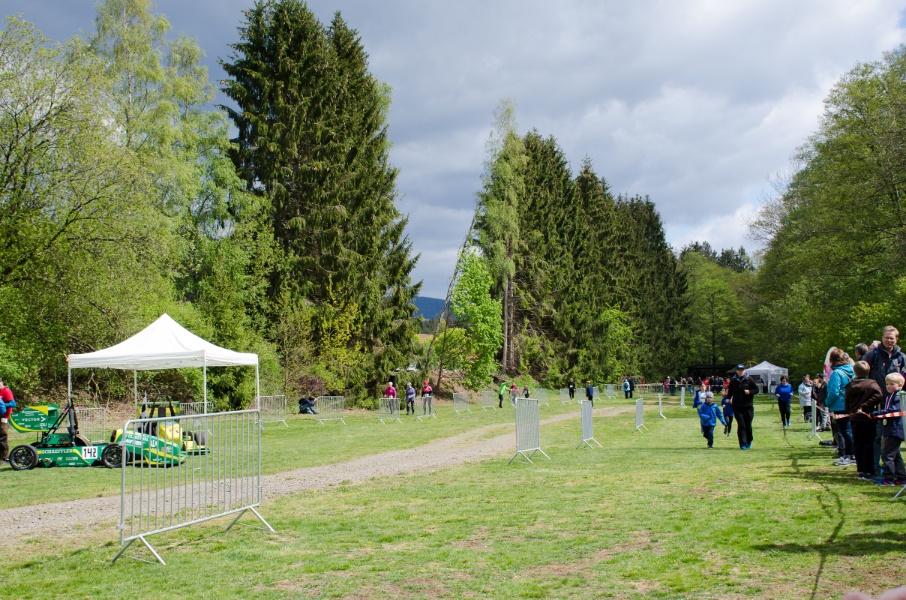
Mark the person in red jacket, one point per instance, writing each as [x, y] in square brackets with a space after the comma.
[6, 410]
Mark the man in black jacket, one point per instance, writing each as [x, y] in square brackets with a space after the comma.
[742, 393]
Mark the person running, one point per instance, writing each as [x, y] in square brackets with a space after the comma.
[709, 414]
[742, 396]
[784, 394]
[728, 415]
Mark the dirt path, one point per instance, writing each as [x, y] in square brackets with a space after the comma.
[98, 517]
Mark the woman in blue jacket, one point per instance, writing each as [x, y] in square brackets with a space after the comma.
[841, 374]
[784, 394]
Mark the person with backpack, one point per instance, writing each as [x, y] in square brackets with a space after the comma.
[841, 374]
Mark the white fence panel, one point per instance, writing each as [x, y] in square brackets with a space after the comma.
[330, 408]
[273, 409]
[610, 390]
[461, 401]
[588, 434]
[180, 476]
[488, 400]
[427, 408]
[640, 415]
[93, 423]
[564, 396]
[528, 429]
[389, 410]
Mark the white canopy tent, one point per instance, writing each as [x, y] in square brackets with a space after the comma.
[164, 344]
[768, 372]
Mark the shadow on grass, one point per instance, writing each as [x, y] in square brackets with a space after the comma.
[857, 544]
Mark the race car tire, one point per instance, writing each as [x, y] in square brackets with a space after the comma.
[23, 458]
[112, 456]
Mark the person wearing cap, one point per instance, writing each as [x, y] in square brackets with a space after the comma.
[742, 394]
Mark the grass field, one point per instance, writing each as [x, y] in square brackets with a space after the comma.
[651, 515]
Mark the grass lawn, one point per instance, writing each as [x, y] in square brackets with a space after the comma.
[651, 515]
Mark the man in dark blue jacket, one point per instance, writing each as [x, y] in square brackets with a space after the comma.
[742, 393]
[885, 358]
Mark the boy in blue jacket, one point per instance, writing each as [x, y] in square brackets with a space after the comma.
[709, 414]
[890, 413]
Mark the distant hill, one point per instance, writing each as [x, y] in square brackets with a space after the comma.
[429, 308]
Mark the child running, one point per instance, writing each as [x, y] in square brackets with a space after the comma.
[709, 414]
[728, 414]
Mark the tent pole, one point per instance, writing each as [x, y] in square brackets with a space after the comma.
[257, 388]
[68, 381]
[204, 383]
[135, 389]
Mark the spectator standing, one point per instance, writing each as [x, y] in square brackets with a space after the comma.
[390, 392]
[571, 386]
[626, 392]
[742, 396]
[892, 424]
[784, 394]
[514, 393]
[709, 414]
[590, 393]
[862, 394]
[631, 387]
[525, 391]
[7, 404]
[410, 398]
[841, 374]
[884, 358]
[805, 398]
[819, 399]
[427, 393]
[500, 393]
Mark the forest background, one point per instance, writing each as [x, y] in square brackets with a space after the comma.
[270, 226]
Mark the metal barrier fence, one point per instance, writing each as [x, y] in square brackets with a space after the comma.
[488, 400]
[93, 423]
[640, 415]
[682, 398]
[564, 396]
[543, 396]
[461, 402]
[660, 406]
[330, 408]
[427, 407]
[528, 429]
[610, 391]
[180, 476]
[192, 408]
[389, 410]
[587, 426]
[273, 409]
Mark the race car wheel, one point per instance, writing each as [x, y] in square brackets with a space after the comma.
[112, 456]
[23, 458]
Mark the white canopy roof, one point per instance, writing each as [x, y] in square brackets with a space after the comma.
[164, 344]
[767, 371]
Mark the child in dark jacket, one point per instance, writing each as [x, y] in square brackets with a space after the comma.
[891, 431]
[728, 414]
[863, 391]
[709, 414]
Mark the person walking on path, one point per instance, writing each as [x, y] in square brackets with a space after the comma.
[709, 414]
[805, 398]
[742, 394]
[784, 394]
[841, 375]
[862, 394]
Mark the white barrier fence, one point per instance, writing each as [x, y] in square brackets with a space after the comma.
[640, 415]
[330, 408]
[427, 408]
[588, 434]
[93, 423]
[488, 400]
[528, 429]
[192, 408]
[682, 398]
[610, 391]
[660, 406]
[389, 410]
[273, 409]
[564, 396]
[180, 476]
[461, 401]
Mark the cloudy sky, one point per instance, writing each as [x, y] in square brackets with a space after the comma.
[698, 104]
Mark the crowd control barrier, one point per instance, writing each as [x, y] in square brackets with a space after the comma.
[330, 408]
[564, 396]
[588, 434]
[193, 408]
[389, 410]
[660, 406]
[93, 423]
[640, 415]
[528, 429]
[682, 397]
[273, 409]
[610, 391]
[488, 400]
[427, 408]
[174, 475]
[461, 402]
